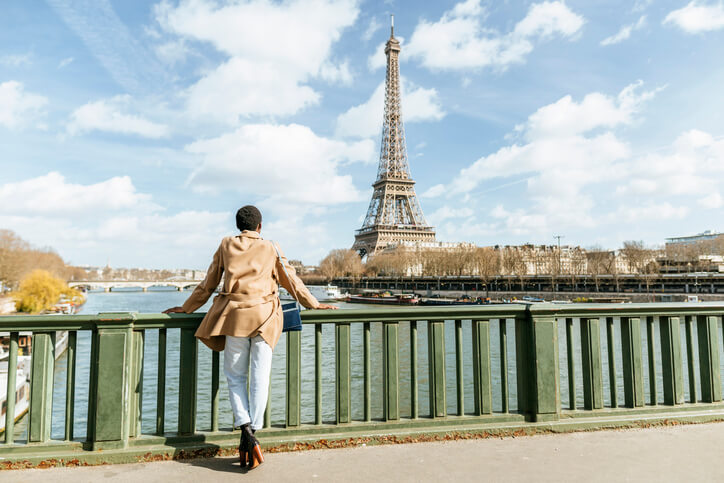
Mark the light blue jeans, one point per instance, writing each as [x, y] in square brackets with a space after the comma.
[248, 358]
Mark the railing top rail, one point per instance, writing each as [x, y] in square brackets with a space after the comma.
[391, 314]
[152, 321]
[396, 314]
[628, 309]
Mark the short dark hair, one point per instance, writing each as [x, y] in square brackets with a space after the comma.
[248, 218]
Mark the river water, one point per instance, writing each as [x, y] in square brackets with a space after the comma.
[155, 301]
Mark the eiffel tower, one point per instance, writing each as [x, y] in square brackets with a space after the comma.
[394, 214]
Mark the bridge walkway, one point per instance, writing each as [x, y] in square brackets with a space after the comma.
[669, 453]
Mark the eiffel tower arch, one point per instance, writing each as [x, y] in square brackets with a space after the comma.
[394, 215]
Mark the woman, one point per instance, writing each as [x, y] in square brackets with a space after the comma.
[246, 320]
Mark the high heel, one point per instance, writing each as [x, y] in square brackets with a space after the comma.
[244, 455]
[254, 449]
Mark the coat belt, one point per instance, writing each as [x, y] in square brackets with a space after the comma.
[245, 303]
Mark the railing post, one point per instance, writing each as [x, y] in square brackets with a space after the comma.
[136, 383]
[611, 362]
[215, 369]
[70, 384]
[709, 358]
[41, 386]
[414, 406]
[390, 372]
[689, 330]
[459, 365]
[591, 363]
[318, 374]
[633, 377]
[503, 327]
[10, 395]
[571, 360]
[650, 349]
[187, 381]
[537, 355]
[109, 397]
[342, 370]
[436, 363]
[481, 367]
[161, 383]
[671, 360]
[294, 378]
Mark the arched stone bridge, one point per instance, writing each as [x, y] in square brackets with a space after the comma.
[142, 285]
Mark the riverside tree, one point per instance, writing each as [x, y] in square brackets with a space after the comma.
[18, 258]
[40, 291]
[341, 263]
[487, 264]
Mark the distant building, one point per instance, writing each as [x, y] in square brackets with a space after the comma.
[298, 266]
[426, 245]
[708, 235]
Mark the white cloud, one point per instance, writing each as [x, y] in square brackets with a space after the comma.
[281, 164]
[596, 110]
[336, 73]
[117, 49]
[569, 147]
[52, 194]
[446, 212]
[239, 87]
[697, 17]
[625, 32]
[18, 108]
[371, 30]
[365, 120]
[580, 174]
[107, 115]
[641, 5]
[649, 210]
[110, 219]
[712, 201]
[15, 60]
[434, 191]
[693, 166]
[272, 49]
[65, 62]
[459, 40]
[172, 52]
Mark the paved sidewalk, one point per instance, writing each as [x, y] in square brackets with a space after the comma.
[676, 453]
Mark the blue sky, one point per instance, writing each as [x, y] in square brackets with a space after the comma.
[131, 131]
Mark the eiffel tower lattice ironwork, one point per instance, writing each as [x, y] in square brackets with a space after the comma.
[394, 214]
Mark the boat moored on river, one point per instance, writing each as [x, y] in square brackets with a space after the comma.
[449, 301]
[22, 389]
[384, 299]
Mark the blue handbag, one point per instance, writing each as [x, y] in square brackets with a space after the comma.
[292, 315]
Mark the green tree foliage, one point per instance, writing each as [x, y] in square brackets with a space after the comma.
[40, 291]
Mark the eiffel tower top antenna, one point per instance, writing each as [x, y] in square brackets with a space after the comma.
[394, 215]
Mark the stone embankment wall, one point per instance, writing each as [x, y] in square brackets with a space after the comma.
[569, 296]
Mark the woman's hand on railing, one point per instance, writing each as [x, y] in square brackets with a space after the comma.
[327, 307]
[174, 310]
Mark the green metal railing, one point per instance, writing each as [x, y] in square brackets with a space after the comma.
[115, 389]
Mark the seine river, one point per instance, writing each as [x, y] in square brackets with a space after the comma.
[155, 301]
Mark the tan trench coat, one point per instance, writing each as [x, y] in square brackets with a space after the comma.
[248, 304]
